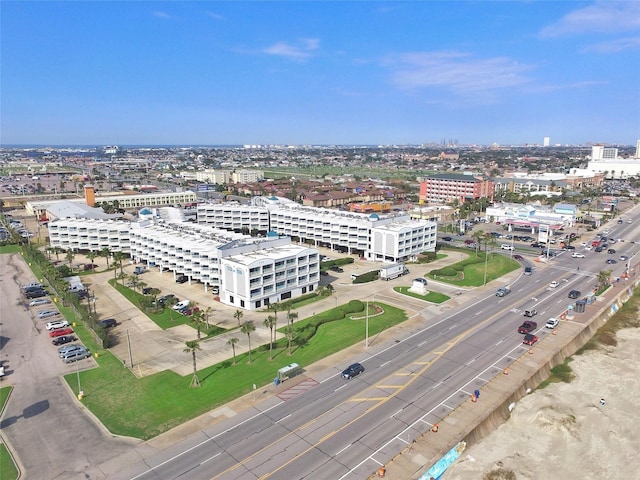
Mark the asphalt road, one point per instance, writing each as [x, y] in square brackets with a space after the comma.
[347, 429]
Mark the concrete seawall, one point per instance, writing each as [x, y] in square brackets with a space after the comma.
[472, 421]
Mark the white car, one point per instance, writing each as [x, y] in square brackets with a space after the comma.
[181, 305]
[552, 323]
[577, 255]
[629, 221]
[588, 247]
[554, 284]
[504, 246]
[48, 313]
[39, 301]
[584, 244]
[57, 324]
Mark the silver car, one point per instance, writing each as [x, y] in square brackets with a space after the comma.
[39, 301]
[48, 313]
[67, 349]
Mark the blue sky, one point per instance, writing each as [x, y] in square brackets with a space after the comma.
[302, 72]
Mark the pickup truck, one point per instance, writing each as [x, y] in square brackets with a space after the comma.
[139, 270]
[502, 291]
[527, 327]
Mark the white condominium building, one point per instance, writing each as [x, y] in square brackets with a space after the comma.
[389, 238]
[250, 272]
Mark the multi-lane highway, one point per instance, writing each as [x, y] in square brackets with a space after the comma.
[346, 429]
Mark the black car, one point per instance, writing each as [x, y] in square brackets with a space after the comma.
[108, 323]
[352, 370]
[597, 249]
[147, 290]
[336, 269]
[528, 270]
[574, 294]
[63, 339]
[36, 294]
[447, 239]
[611, 251]
[163, 299]
[182, 279]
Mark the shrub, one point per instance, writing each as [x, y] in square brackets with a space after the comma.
[353, 306]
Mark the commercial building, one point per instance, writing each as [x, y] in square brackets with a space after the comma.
[446, 187]
[605, 160]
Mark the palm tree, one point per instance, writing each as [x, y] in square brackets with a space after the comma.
[207, 312]
[171, 301]
[477, 236]
[193, 346]
[134, 281]
[70, 257]
[118, 257]
[106, 253]
[238, 315]
[197, 318]
[92, 256]
[270, 323]
[603, 279]
[291, 333]
[232, 342]
[248, 328]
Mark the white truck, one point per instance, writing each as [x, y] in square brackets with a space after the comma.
[393, 270]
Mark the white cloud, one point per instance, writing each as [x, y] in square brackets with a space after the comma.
[161, 14]
[301, 51]
[455, 71]
[602, 17]
[613, 46]
[213, 15]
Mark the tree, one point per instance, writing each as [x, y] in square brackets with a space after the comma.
[290, 332]
[170, 302]
[270, 323]
[70, 257]
[238, 314]
[232, 343]
[197, 318]
[477, 236]
[134, 281]
[248, 328]
[106, 253]
[603, 279]
[207, 312]
[118, 257]
[193, 346]
[92, 256]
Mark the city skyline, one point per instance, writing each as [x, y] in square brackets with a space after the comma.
[319, 73]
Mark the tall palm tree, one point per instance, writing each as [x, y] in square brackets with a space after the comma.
[193, 346]
[232, 342]
[171, 301]
[118, 257]
[248, 328]
[603, 279]
[238, 314]
[70, 257]
[197, 318]
[106, 253]
[207, 312]
[270, 322]
[91, 255]
[290, 332]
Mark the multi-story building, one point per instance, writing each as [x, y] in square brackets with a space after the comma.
[605, 160]
[446, 187]
[393, 237]
[247, 176]
[249, 272]
[219, 177]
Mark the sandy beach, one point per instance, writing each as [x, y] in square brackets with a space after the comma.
[564, 431]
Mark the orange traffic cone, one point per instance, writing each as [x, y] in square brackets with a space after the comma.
[434, 429]
[474, 398]
[505, 371]
[381, 472]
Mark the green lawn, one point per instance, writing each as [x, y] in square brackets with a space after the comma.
[8, 470]
[433, 297]
[146, 407]
[470, 272]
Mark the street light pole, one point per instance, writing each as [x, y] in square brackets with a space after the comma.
[366, 337]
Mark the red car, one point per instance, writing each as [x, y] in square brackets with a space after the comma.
[58, 332]
[530, 339]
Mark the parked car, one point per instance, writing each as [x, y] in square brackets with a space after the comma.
[611, 251]
[163, 299]
[531, 312]
[60, 332]
[147, 290]
[552, 323]
[56, 324]
[623, 258]
[63, 339]
[527, 326]
[181, 305]
[90, 266]
[36, 294]
[537, 245]
[447, 239]
[598, 249]
[336, 269]
[577, 255]
[554, 284]
[352, 370]
[611, 261]
[108, 323]
[182, 279]
[530, 339]
[75, 355]
[574, 294]
[47, 314]
[33, 286]
[39, 301]
[70, 348]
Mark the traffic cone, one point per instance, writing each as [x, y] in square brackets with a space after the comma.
[530, 351]
[434, 429]
[505, 371]
[474, 398]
